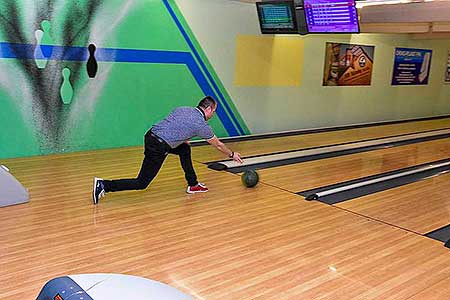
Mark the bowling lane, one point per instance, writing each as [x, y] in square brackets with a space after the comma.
[308, 175]
[271, 145]
[422, 206]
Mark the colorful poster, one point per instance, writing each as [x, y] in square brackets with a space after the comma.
[347, 64]
[447, 70]
[411, 66]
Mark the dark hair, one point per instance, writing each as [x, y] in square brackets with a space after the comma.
[207, 102]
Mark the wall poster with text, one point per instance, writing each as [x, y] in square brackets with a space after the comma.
[411, 66]
[348, 64]
[447, 70]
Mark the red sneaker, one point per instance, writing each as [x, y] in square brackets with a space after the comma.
[199, 188]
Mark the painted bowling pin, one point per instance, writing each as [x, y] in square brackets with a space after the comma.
[66, 87]
[92, 66]
[39, 57]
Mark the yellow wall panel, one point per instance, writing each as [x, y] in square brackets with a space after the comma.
[268, 61]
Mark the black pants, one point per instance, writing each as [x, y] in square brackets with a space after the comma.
[154, 155]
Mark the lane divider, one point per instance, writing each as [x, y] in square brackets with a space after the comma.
[279, 159]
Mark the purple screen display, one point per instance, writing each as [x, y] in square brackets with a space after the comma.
[331, 16]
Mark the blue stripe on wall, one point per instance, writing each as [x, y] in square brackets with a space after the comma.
[207, 90]
[221, 98]
[64, 53]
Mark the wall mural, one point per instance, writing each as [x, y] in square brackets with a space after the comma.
[47, 82]
[71, 68]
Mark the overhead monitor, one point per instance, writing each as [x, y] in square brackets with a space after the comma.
[277, 17]
[331, 16]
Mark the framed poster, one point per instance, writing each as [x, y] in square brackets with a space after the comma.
[447, 70]
[411, 66]
[348, 64]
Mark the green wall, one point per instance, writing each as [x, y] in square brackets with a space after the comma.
[115, 108]
[270, 109]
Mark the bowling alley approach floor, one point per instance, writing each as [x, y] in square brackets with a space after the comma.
[232, 242]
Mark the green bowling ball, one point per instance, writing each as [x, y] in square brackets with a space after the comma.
[250, 178]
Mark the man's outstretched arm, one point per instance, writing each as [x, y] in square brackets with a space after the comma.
[215, 142]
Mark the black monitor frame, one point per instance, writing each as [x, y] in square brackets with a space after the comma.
[278, 30]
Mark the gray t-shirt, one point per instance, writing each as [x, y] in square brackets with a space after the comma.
[182, 124]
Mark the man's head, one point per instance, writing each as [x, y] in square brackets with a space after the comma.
[208, 105]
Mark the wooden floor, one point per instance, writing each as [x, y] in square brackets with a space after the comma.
[232, 242]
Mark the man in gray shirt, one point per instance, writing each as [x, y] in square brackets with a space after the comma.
[171, 135]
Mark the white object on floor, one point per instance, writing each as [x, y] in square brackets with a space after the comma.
[11, 190]
[119, 287]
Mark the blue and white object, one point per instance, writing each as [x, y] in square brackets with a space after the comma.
[411, 66]
[108, 287]
[331, 16]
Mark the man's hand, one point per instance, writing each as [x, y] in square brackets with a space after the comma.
[237, 157]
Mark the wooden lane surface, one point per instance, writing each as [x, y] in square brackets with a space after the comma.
[439, 291]
[229, 243]
[308, 175]
[271, 145]
[422, 206]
